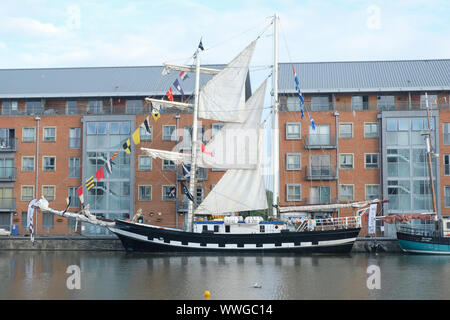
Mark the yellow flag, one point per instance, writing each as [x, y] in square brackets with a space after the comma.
[126, 147]
[136, 137]
[156, 115]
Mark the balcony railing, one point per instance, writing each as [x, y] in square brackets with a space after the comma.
[320, 200]
[320, 141]
[321, 173]
[8, 174]
[8, 145]
[7, 204]
[374, 106]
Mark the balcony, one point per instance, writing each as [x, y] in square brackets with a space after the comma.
[8, 145]
[8, 174]
[320, 141]
[202, 174]
[320, 173]
[182, 206]
[7, 204]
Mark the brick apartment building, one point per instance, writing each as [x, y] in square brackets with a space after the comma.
[58, 127]
[367, 144]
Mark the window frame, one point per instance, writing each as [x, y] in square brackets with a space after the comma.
[49, 187]
[353, 161]
[140, 168]
[43, 164]
[139, 192]
[288, 185]
[365, 161]
[371, 136]
[289, 154]
[22, 193]
[289, 124]
[346, 124]
[34, 164]
[34, 134]
[341, 193]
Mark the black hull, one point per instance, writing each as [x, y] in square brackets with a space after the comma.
[144, 238]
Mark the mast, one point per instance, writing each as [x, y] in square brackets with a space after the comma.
[429, 150]
[190, 214]
[275, 124]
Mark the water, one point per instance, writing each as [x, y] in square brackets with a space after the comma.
[119, 275]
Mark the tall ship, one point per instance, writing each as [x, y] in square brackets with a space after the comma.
[216, 225]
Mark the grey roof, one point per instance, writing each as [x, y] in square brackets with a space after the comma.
[366, 76]
[92, 82]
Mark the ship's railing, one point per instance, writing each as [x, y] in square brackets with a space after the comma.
[425, 230]
[328, 224]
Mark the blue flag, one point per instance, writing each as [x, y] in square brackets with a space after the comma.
[186, 170]
[177, 86]
[297, 87]
[313, 124]
[186, 191]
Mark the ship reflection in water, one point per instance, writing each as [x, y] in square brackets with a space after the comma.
[117, 275]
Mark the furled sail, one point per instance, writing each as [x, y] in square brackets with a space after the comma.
[223, 97]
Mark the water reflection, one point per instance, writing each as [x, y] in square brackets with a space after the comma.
[117, 275]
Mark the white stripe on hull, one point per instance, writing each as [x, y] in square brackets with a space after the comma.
[233, 245]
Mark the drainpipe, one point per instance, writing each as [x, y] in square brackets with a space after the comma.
[336, 115]
[36, 192]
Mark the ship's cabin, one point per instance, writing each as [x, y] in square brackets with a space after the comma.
[237, 224]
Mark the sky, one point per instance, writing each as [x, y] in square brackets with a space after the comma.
[44, 33]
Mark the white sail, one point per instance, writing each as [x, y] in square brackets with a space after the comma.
[235, 146]
[223, 97]
[238, 190]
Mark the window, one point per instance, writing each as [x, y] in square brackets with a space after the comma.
[169, 192]
[74, 199]
[95, 106]
[28, 135]
[371, 130]
[7, 198]
[50, 134]
[9, 107]
[145, 163]
[346, 192]
[33, 107]
[47, 221]
[447, 196]
[134, 106]
[346, 161]
[293, 161]
[293, 131]
[293, 104]
[27, 193]
[320, 103]
[24, 220]
[168, 165]
[144, 134]
[320, 166]
[346, 130]
[360, 102]
[372, 191]
[27, 164]
[447, 164]
[432, 101]
[199, 194]
[386, 102]
[48, 163]
[446, 138]
[371, 161]
[293, 192]
[74, 167]
[7, 169]
[71, 107]
[319, 194]
[320, 136]
[48, 192]
[145, 193]
[74, 138]
[169, 133]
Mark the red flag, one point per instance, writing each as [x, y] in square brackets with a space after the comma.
[114, 155]
[169, 94]
[100, 174]
[204, 149]
[80, 194]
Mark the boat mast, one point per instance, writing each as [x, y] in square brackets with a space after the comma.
[190, 214]
[275, 125]
[429, 150]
